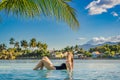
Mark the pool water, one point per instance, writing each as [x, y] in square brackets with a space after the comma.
[83, 70]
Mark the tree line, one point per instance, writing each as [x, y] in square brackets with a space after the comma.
[76, 50]
[23, 49]
[106, 50]
[36, 49]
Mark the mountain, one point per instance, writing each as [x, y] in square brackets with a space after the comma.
[99, 41]
[88, 46]
[102, 40]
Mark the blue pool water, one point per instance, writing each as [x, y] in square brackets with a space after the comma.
[83, 70]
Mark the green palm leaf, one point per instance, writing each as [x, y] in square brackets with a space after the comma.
[20, 7]
[60, 9]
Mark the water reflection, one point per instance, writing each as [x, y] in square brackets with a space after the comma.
[55, 74]
[83, 70]
[47, 73]
[69, 76]
[43, 73]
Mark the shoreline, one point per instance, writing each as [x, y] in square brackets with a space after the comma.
[65, 59]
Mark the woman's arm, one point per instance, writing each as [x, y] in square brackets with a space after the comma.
[69, 66]
[69, 63]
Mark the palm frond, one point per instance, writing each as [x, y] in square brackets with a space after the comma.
[60, 9]
[20, 7]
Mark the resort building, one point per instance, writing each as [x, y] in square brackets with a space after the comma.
[95, 54]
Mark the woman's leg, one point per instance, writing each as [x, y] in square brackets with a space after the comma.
[39, 65]
[45, 62]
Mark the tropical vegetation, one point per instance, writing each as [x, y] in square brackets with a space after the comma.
[34, 49]
[77, 50]
[23, 49]
[108, 50]
[105, 51]
[58, 9]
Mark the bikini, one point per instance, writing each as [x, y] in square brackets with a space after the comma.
[61, 67]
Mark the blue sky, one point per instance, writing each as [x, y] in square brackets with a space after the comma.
[99, 18]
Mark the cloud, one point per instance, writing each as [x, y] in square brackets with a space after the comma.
[115, 14]
[80, 39]
[100, 6]
[101, 40]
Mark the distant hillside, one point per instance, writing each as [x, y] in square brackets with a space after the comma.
[104, 40]
[88, 46]
[99, 41]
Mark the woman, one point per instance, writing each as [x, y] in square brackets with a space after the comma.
[45, 62]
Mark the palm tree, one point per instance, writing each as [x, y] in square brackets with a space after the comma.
[67, 49]
[44, 46]
[16, 45]
[12, 41]
[24, 44]
[76, 48]
[39, 45]
[60, 9]
[2, 47]
[33, 43]
[81, 51]
[72, 48]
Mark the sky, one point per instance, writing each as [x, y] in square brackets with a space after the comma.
[97, 18]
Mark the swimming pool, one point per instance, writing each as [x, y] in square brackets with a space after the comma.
[83, 70]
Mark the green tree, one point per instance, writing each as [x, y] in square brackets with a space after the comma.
[39, 45]
[107, 53]
[10, 53]
[67, 49]
[33, 43]
[72, 48]
[91, 50]
[88, 54]
[2, 47]
[81, 51]
[16, 45]
[24, 44]
[76, 48]
[12, 41]
[32, 8]
[112, 53]
[44, 46]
